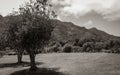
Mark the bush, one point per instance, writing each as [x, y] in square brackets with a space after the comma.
[98, 46]
[115, 50]
[52, 49]
[2, 53]
[67, 49]
[77, 49]
[88, 47]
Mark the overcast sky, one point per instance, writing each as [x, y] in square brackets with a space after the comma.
[102, 14]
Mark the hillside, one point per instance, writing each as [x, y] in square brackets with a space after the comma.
[68, 31]
[64, 31]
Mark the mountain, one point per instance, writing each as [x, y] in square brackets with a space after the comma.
[65, 31]
[96, 19]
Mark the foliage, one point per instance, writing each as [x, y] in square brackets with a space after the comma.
[77, 49]
[99, 46]
[88, 46]
[30, 28]
[67, 49]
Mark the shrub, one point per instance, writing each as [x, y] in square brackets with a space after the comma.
[77, 49]
[115, 50]
[67, 49]
[51, 49]
[2, 53]
[88, 47]
[98, 46]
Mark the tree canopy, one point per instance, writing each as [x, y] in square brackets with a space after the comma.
[30, 28]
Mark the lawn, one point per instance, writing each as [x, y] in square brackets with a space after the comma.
[66, 63]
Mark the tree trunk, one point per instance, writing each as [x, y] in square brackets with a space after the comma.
[32, 61]
[19, 56]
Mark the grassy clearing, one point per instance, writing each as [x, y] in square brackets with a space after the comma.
[68, 63]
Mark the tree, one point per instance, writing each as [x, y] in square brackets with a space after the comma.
[76, 42]
[98, 46]
[30, 28]
[88, 46]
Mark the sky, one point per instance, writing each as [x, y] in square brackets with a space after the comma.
[102, 14]
[6, 6]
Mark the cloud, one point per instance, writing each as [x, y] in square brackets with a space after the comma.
[102, 14]
[89, 24]
[113, 13]
[110, 9]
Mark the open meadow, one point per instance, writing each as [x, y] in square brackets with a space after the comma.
[66, 63]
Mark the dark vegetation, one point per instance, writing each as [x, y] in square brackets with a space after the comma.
[79, 39]
[2, 53]
[68, 37]
[28, 29]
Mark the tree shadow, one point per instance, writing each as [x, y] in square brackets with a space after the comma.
[40, 71]
[14, 65]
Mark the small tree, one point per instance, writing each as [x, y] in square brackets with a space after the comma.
[30, 29]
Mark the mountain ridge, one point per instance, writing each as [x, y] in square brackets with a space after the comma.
[64, 31]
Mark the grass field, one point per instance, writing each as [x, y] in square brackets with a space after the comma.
[70, 64]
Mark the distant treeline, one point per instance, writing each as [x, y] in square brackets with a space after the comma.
[84, 45]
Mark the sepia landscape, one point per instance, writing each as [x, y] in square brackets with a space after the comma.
[60, 37]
